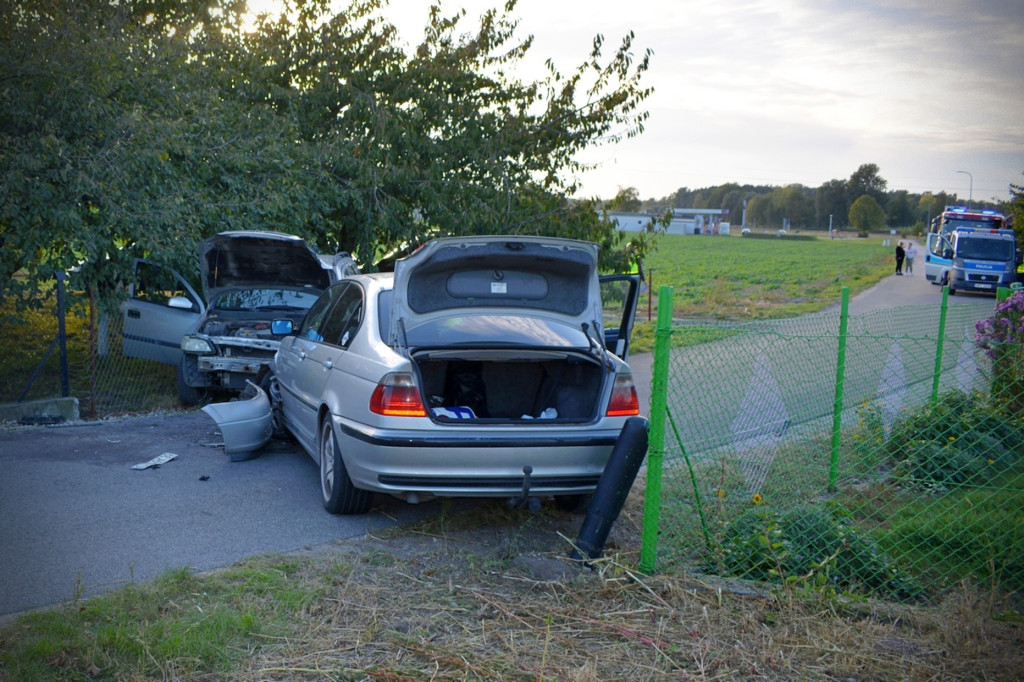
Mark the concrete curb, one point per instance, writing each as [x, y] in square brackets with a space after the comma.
[41, 411]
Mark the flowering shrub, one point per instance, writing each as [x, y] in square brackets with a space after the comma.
[1005, 326]
[1002, 338]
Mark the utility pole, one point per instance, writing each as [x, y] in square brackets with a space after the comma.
[970, 191]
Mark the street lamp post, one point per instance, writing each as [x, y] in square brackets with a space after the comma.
[970, 191]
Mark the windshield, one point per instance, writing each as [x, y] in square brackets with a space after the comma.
[985, 249]
[265, 299]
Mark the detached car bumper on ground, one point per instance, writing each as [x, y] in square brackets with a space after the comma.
[482, 365]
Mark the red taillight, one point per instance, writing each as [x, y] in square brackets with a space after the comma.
[397, 396]
[624, 401]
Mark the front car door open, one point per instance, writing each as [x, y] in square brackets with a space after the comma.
[162, 307]
[619, 296]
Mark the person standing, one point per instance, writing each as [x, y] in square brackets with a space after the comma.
[909, 262]
[900, 255]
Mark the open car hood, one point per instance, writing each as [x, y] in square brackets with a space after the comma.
[259, 259]
[548, 284]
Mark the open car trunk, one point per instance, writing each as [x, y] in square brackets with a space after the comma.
[511, 385]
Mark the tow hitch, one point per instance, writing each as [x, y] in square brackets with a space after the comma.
[524, 497]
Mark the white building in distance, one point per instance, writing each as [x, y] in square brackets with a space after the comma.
[684, 221]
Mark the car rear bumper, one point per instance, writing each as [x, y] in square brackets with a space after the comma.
[472, 464]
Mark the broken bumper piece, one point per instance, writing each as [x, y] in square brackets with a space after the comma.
[245, 424]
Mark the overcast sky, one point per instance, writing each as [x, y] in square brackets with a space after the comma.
[777, 92]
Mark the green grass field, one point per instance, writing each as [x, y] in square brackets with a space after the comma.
[731, 277]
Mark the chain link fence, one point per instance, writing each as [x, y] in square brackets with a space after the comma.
[879, 454]
[98, 374]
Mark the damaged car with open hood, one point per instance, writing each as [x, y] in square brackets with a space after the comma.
[257, 286]
[484, 366]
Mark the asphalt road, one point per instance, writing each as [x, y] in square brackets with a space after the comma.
[75, 519]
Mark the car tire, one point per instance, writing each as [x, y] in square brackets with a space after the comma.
[337, 492]
[268, 382]
[190, 395]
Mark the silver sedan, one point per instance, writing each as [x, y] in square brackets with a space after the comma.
[481, 367]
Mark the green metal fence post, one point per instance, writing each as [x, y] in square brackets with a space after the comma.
[939, 342]
[656, 440]
[837, 409]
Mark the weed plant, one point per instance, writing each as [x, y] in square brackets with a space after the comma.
[961, 439]
[815, 545]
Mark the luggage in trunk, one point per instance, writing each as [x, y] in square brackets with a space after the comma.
[502, 386]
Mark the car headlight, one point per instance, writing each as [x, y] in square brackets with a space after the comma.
[197, 344]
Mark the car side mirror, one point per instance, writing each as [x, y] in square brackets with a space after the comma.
[180, 302]
[281, 327]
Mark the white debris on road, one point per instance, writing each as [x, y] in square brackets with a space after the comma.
[156, 461]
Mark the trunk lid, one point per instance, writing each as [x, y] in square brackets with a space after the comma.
[512, 290]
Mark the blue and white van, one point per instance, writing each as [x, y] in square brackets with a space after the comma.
[979, 260]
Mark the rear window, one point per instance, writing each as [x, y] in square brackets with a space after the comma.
[495, 331]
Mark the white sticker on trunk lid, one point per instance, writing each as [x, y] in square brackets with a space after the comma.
[499, 287]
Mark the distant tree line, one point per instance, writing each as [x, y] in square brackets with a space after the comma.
[810, 208]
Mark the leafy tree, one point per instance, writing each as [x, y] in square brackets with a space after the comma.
[898, 210]
[125, 136]
[140, 127]
[1016, 211]
[759, 210]
[729, 196]
[831, 201]
[866, 215]
[683, 198]
[866, 180]
[792, 203]
[627, 200]
[930, 205]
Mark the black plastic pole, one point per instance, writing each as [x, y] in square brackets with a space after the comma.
[612, 489]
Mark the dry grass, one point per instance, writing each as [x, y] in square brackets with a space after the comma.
[495, 599]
